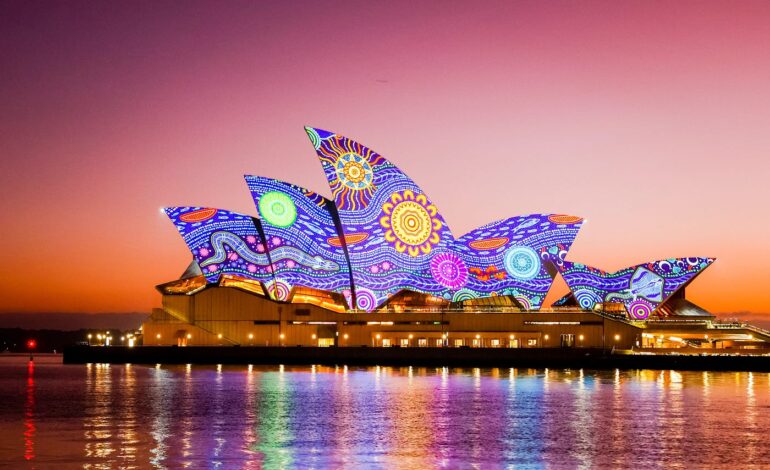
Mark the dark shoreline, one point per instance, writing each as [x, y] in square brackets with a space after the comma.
[434, 357]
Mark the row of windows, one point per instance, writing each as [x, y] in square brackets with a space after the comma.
[457, 342]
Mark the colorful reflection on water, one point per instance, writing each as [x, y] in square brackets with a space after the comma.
[132, 416]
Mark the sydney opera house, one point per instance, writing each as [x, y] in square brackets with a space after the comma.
[378, 266]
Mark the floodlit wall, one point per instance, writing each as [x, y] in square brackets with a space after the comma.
[246, 319]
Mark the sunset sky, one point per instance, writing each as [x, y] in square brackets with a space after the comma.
[649, 119]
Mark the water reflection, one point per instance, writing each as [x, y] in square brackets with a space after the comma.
[278, 417]
[29, 414]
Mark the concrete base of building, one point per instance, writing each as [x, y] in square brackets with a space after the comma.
[572, 358]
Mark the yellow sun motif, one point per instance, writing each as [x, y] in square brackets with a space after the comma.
[411, 223]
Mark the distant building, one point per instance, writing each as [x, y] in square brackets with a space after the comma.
[379, 266]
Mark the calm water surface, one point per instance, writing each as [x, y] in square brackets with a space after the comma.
[136, 416]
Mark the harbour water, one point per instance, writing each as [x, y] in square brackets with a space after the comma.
[140, 416]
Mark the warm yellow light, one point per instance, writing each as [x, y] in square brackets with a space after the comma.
[99, 336]
[189, 336]
[545, 337]
[377, 336]
[219, 336]
[282, 336]
[511, 337]
[411, 336]
[89, 335]
[345, 336]
[617, 337]
[158, 336]
[251, 335]
[706, 336]
[122, 338]
[313, 336]
[443, 336]
[478, 336]
[580, 337]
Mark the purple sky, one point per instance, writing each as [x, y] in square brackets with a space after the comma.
[649, 119]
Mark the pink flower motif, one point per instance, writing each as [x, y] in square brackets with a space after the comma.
[385, 265]
[203, 251]
[213, 268]
[276, 241]
[261, 248]
[269, 268]
[251, 239]
[449, 270]
[374, 269]
[290, 264]
[232, 256]
[251, 268]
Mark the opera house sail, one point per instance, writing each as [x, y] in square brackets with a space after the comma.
[380, 253]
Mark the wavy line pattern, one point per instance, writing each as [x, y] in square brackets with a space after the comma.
[219, 258]
[301, 252]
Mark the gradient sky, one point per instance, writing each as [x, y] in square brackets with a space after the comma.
[649, 119]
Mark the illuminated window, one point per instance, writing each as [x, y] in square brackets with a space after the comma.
[531, 342]
[514, 343]
[405, 342]
[386, 343]
[495, 343]
[439, 343]
[422, 342]
[459, 343]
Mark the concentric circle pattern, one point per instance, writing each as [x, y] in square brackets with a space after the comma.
[586, 299]
[522, 262]
[365, 299]
[449, 270]
[640, 310]
[411, 223]
[277, 209]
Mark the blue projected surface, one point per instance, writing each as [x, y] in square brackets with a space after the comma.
[301, 237]
[392, 230]
[510, 257]
[640, 288]
[222, 242]
[380, 234]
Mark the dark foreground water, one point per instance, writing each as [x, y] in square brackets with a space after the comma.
[135, 416]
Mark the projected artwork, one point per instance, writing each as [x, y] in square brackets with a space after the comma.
[381, 234]
[393, 230]
[640, 288]
[510, 257]
[222, 242]
[300, 236]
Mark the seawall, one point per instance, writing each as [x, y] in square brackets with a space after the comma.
[583, 358]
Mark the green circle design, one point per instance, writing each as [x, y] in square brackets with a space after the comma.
[277, 209]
